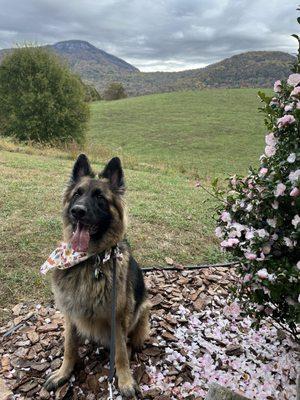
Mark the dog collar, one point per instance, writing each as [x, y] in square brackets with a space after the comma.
[64, 257]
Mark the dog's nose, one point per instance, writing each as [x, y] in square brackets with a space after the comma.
[78, 211]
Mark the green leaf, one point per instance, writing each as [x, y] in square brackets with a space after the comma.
[214, 183]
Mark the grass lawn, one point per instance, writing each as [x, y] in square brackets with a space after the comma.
[202, 133]
[165, 141]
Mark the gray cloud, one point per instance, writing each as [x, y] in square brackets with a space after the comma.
[155, 35]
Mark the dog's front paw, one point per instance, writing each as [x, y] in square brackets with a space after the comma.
[129, 388]
[56, 380]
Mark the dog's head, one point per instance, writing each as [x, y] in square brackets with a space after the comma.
[94, 210]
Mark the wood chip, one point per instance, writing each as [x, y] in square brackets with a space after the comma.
[156, 300]
[199, 305]
[47, 328]
[33, 337]
[5, 363]
[234, 350]
[5, 392]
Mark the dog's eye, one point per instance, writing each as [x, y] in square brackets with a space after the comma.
[98, 194]
[78, 193]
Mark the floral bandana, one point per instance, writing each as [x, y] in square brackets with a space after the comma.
[65, 257]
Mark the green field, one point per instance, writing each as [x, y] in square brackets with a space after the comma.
[165, 141]
[205, 133]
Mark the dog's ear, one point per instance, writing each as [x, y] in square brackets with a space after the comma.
[114, 173]
[81, 168]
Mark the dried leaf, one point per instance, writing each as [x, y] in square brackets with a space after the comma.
[169, 260]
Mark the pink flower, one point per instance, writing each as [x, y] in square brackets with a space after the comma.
[285, 120]
[291, 158]
[247, 278]
[225, 216]
[233, 181]
[293, 79]
[296, 221]
[277, 86]
[271, 139]
[295, 92]
[298, 265]
[280, 189]
[270, 151]
[288, 242]
[263, 171]
[288, 107]
[218, 232]
[232, 242]
[275, 205]
[233, 310]
[249, 233]
[262, 273]
[262, 233]
[295, 192]
[294, 176]
[229, 243]
[272, 222]
[274, 237]
[250, 256]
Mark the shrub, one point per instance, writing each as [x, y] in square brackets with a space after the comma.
[90, 93]
[260, 224]
[40, 99]
[115, 91]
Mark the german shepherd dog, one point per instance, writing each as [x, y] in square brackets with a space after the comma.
[94, 221]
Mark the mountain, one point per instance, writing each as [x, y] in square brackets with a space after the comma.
[89, 61]
[96, 67]
[92, 64]
[251, 69]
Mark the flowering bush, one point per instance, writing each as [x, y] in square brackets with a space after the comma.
[260, 224]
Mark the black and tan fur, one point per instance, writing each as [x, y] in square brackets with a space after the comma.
[86, 301]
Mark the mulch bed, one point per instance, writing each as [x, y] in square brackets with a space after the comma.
[197, 337]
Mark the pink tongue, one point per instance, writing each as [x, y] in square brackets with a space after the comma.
[81, 238]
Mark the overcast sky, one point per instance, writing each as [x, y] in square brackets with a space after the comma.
[155, 34]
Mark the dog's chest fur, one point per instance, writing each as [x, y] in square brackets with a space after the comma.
[87, 300]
